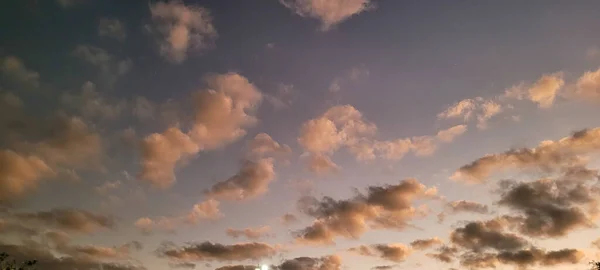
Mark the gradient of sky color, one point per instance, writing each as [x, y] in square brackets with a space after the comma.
[123, 79]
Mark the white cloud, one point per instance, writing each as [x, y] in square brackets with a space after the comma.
[182, 29]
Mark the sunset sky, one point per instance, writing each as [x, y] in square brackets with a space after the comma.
[300, 134]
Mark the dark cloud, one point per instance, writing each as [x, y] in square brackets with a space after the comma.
[332, 262]
[388, 207]
[237, 267]
[48, 261]
[467, 206]
[550, 208]
[445, 254]
[288, 219]
[479, 236]
[384, 267]
[208, 251]
[182, 265]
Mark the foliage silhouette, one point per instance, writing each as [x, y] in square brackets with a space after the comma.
[595, 265]
[6, 264]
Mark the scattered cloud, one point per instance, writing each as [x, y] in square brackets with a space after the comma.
[330, 13]
[421, 244]
[181, 29]
[547, 156]
[387, 207]
[282, 98]
[478, 108]
[222, 112]
[20, 174]
[68, 219]
[587, 87]
[249, 233]
[14, 71]
[208, 209]
[109, 67]
[448, 135]
[252, 180]
[208, 251]
[112, 28]
[289, 219]
[91, 104]
[263, 145]
[390, 252]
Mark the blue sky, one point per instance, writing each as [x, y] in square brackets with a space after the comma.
[166, 134]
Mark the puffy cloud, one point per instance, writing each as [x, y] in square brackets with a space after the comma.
[208, 209]
[330, 13]
[381, 207]
[548, 156]
[391, 252]
[110, 68]
[479, 236]
[182, 29]
[544, 91]
[425, 243]
[587, 87]
[448, 135]
[113, 28]
[207, 251]
[263, 145]
[250, 233]
[252, 180]
[160, 154]
[67, 219]
[14, 71]
[222, 111]
[20, 174]
[551, 208]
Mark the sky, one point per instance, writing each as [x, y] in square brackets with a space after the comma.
[300, 134]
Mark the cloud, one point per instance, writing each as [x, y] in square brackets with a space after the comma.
[448, 135]
[264, 145]
[252, 180]
[208, 251]
[13, 70]
[387, 207]
[20, 174]
[250, 233]
[390, 252]
[101, 252]
[222, 112]
[547, 156]
[587, 87]
[288, 219]
[181, 29]
[479, 236]
[478, 108]
[183, 265]
[444, 254]
[91, 104]
[109, 185]
[282, 97]
[551, 208]
[352, 75]
[51, 262]
[110, 68]
[421, 244]
[544, 91]
[467, 206]
[332, 262]
[522, 259]
[321, 164]
[112, 28]
[330, 13]
[164, 224]
[208, 209]
[68, 219]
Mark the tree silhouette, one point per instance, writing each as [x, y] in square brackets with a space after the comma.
[6, 264]
[595, 265]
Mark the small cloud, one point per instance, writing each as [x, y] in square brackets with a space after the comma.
[112, 28]
[14, 71]
[331, 12]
